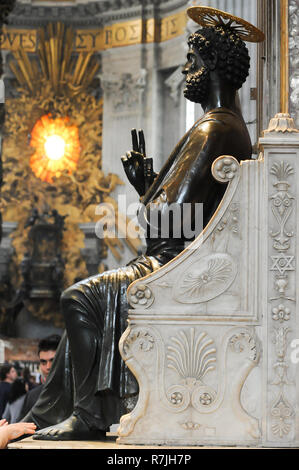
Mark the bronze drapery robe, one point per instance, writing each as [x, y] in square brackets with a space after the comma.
[185, 178]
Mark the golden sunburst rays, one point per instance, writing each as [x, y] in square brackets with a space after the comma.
[57, 65]
[57, 148]
[56, 84]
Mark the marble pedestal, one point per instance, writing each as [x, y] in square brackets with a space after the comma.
[211, 333]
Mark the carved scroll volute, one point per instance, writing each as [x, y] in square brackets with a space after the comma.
[137, 346]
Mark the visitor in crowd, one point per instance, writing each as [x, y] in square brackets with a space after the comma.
[46, 353]
[8, 375]
[29, 379]
[9, 432]
[16, 397]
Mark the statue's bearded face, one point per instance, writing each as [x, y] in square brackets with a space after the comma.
[197, 78]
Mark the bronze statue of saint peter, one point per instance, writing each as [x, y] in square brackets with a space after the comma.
[88, 382]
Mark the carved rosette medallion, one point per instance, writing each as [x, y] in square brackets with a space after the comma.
[140, 295]
[282, 206]
[206, 278]
[225, 168]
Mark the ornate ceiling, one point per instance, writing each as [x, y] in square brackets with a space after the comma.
[87, 12]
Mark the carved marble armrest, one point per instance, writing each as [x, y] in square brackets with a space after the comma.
[225, 169]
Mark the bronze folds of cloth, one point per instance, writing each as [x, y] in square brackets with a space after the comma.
[95, 310]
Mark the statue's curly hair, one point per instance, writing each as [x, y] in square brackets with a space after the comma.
[233, 58]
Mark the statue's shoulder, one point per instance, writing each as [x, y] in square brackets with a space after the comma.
[219, 115]
[219, 120]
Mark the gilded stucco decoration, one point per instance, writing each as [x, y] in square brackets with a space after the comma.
[61, 84]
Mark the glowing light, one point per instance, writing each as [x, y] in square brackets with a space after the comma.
[57, 147]
[54, 147]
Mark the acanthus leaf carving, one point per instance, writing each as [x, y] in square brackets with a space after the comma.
[245, 342]
[191, 357]
[282, 207]
[281, 411]
[140, 338]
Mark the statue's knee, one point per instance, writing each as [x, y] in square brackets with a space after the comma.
[67, 296]
[71, 300]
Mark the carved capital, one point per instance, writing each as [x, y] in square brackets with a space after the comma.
[173, 82]
[124, 91]
[281, 122]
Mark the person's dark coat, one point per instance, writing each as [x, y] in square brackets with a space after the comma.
[30, 400]
[4, 393]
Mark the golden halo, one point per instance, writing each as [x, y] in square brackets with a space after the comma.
[208, 16]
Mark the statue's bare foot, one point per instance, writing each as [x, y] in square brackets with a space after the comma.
[72, 429]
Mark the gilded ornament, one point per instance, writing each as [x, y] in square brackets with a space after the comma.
[208, 16]
[62, 86]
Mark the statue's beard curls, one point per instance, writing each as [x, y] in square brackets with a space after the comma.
[197, 85]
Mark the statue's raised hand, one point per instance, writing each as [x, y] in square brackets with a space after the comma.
[133, 163]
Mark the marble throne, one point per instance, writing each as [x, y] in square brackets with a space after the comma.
[210, 334]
